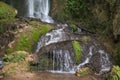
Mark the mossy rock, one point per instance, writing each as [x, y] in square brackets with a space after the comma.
[7, 13]
[84, 39]
[78, 50]
[83, 71]
[73, 27]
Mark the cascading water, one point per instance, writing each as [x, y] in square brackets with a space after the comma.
[54, 43]
[63, 62]
[39, 9]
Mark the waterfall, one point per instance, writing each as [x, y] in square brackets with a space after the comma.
[57, 46]
[62, 63]
[39, 9]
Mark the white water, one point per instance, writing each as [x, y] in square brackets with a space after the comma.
[39, 9]
[104, 61]
[63, 61]
[87, 58]
[55, 36]
[63, 57]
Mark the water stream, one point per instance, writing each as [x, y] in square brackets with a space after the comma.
[32, 8]
[39, 9]
[56, 45]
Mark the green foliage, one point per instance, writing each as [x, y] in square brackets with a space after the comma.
[27, 39]
[76, 8]
[7, 13]
[24, 43]
[73, 27]
[114, 74]
[78, 50]
[9, 50]
[15, 57]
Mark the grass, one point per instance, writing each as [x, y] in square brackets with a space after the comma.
[26, 41]
[7, 13]
[28, 38]
[78, 51]
[15, 57]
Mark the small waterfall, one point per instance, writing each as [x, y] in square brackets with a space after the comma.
[39, 9]
[57, 44]
[62, 63]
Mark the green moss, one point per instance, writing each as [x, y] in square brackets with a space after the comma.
[9, 50]
[73, 27]
[24, 43]
[7, 13]
[78, 50]
[84, 39]
[29, 37]
[15, 57]
[83, 72]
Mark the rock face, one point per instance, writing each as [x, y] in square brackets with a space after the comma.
[56, 52]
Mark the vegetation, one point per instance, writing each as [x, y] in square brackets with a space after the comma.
[73, 27]
[7, 13]
[114, 74]
[83, 71]
[78, 50]
[76, 8]
[15, 57]
[1, 28]
[117, 54]
[28, 38]
[15, 62]
[84, 39]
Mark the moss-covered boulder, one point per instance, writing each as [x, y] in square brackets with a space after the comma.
[7, 13]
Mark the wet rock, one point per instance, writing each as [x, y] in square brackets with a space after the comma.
[57, 49]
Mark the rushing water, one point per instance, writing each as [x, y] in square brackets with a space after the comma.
[33, 8]
[39, 9]
[62, 53]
